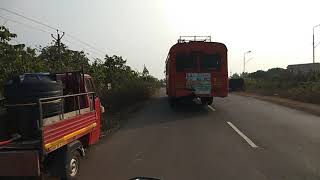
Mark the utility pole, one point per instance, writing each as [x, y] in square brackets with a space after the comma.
[314, 46]
[244, 61]
[58, 40]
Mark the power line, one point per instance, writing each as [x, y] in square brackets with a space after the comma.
[53, 28]
[77, 39]
[30, 19]
[45, 31]
[38, 29]
[18, 22]
[32, 27]
[91, 57]
[84, 48]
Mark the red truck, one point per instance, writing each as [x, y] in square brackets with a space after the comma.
[50, 119]
[197, 68]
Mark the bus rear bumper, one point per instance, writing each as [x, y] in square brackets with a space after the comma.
[189, 93]
[182, 93]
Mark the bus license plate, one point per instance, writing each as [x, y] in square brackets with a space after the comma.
[199, 82]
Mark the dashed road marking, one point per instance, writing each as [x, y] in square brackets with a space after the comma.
[251, 143]
[212, 109]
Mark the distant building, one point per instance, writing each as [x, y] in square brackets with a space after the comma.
[304, 68]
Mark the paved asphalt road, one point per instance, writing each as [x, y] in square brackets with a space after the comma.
[194, 142]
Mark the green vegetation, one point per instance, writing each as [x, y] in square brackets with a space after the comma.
[281, 82]
[127, 86]
[235, 76]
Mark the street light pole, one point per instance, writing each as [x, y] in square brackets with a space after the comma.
[313, 46]
[244, 60]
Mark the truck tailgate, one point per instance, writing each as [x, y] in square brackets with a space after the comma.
[19, 163]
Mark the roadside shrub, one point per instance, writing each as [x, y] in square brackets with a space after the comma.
[298, 86]
[307, 92]
[124, 96]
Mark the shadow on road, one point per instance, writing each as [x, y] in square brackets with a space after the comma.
[158, 110]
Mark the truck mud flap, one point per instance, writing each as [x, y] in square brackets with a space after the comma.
[19, 163]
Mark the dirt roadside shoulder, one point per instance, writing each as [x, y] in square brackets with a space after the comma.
[307, 107]
[120, 118]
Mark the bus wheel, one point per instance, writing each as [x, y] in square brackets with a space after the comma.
[72, 165]
[210, 100]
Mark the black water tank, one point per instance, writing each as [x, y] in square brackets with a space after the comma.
[22, 94]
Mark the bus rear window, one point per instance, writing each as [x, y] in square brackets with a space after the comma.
[185, 62]
[210, 62]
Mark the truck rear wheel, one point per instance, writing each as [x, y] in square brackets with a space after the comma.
[72, 165]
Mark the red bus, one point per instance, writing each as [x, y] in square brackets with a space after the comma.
[197, 68]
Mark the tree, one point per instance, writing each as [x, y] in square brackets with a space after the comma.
[115, 62]
[6, 35]
[258, 74]
[71, 60]
[235, 76]
[15, 59]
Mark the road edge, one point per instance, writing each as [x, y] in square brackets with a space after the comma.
[306, 107]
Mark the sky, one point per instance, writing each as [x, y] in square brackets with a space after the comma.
[277, 32]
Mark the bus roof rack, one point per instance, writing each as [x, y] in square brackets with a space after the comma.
[183, 39]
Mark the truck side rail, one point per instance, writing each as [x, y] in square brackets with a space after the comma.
[75, 99]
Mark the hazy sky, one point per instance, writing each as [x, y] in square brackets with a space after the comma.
[277, 32]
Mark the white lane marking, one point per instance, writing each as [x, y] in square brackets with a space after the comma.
[252, 144]
[212, 109]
